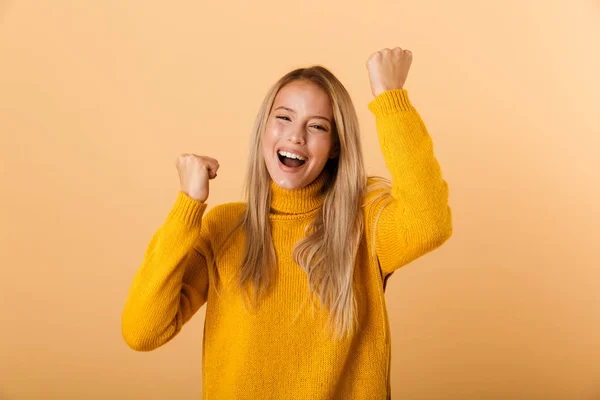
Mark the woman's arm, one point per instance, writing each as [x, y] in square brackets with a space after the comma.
[172, 282]
[417, 218]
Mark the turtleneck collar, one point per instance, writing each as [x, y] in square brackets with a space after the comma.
[299, 201]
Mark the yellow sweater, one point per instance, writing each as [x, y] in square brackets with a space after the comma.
[263, 353]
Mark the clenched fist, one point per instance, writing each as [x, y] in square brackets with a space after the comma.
[194, 173]
[388, 69]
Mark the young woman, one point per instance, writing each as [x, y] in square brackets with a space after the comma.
[313, 227]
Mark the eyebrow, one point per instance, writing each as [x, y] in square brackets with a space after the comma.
[314, 116]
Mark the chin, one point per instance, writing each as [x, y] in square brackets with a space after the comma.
[287, 180]
[287, 183]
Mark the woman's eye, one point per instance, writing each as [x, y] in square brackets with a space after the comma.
[320, 127]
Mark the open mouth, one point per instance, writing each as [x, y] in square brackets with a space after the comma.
[290, 162]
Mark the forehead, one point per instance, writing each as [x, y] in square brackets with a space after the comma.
[304, 97]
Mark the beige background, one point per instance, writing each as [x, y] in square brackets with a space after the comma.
[98, 99]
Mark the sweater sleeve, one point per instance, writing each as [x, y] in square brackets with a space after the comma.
[417, 218]
[172, 282]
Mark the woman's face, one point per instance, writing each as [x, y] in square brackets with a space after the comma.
[300, 123]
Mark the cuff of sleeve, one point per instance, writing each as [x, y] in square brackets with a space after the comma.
[187, 210]
[390, 101]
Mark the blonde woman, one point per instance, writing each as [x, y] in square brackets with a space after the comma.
[294, 277]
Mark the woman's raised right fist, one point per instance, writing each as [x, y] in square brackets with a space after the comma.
[194, 173]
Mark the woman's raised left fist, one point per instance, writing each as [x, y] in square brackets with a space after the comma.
[388, 69]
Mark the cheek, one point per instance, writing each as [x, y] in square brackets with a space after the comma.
[271, 133]
[267, 135]
[321, 148]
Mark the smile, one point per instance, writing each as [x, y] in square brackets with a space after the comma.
[290, 164]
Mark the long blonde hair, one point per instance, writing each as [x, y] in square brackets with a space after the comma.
[328, 250]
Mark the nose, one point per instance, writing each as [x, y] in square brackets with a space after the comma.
[296, 136]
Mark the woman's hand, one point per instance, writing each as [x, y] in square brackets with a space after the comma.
[194, 173]
[388, 69]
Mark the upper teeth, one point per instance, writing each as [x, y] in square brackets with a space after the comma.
[291, 155]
